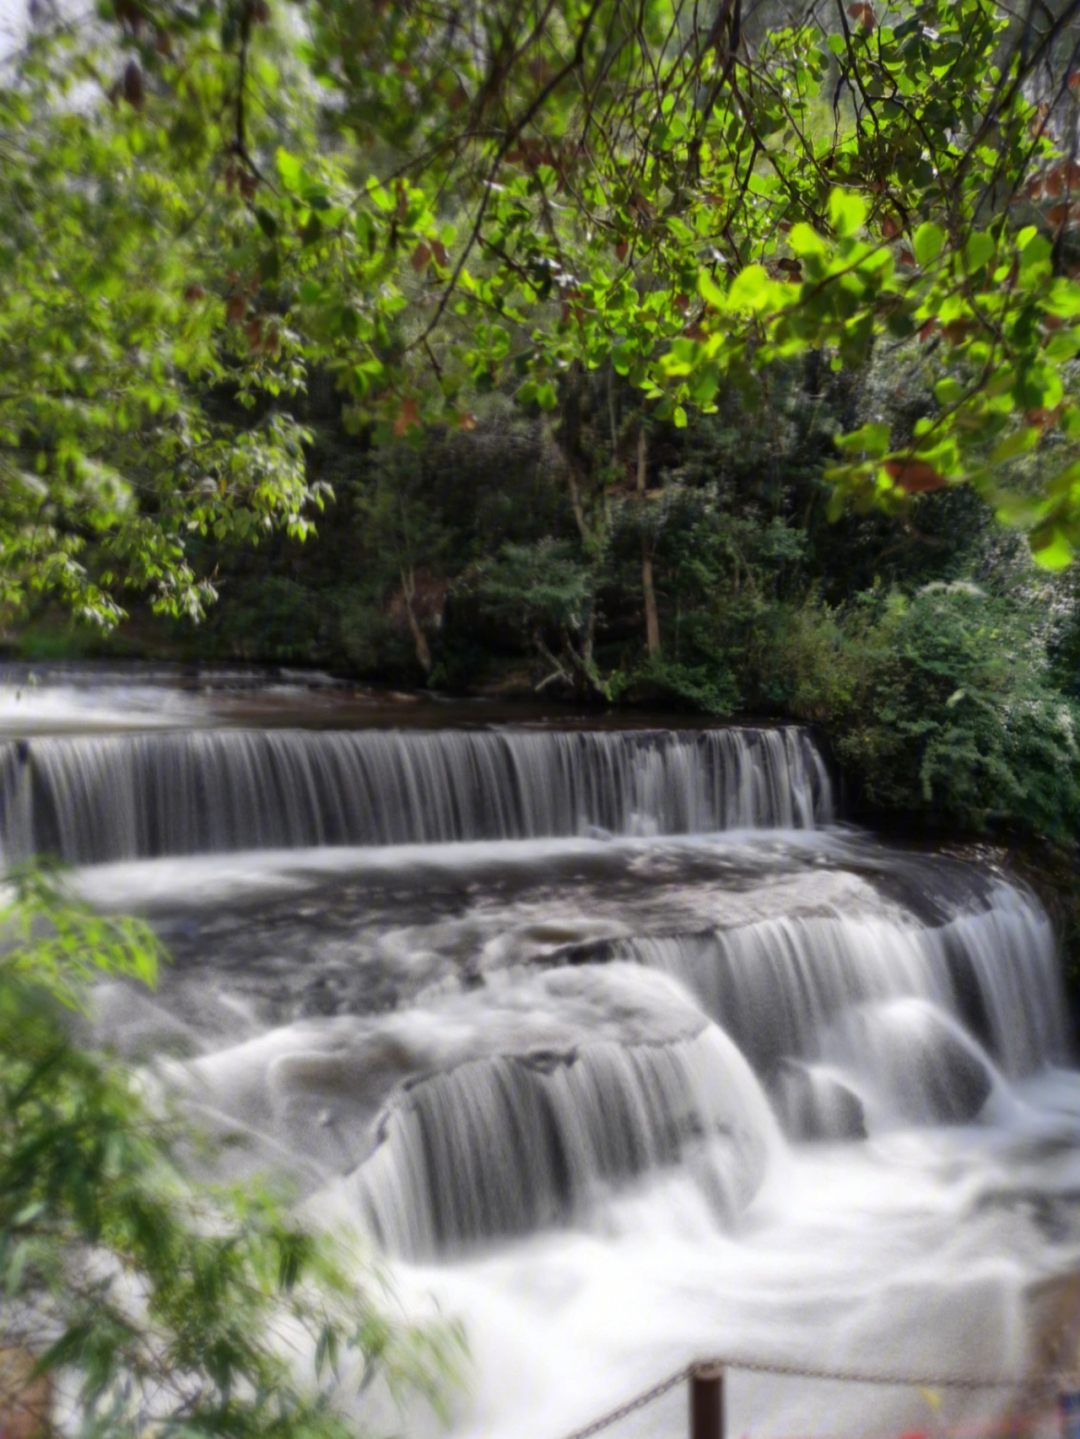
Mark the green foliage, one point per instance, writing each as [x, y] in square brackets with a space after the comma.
[113, 288]
[943, 707]
[159, 1302]
[493, 197]
[542, 587]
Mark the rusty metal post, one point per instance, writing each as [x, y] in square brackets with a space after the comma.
[707, 1401]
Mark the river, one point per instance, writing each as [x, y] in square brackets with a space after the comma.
[618, 1043]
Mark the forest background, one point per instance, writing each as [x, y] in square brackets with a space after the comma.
[611, 353]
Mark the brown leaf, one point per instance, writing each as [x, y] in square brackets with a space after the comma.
[129, 13]
[864, 14]
[254, 334]
[621, 250]
[790, 267]
[467, 422]
[927, 330]
[439, 250]
[906, 257]
[409, 415]
[1074, 81]
[194, 293]
[421, 256]
[248, 185]
[1045, 419]
[236, 308]
[957, 331]
[134, 90]
[890, 227]
[914, 477]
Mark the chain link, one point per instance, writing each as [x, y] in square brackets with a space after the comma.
[795, 1371]
[629, 1407]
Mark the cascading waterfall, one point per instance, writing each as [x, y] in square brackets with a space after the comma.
[91, 799]
[550, 1072]
[778, 985]
[511, 1145]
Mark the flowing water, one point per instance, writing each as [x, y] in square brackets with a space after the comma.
[618, 1044]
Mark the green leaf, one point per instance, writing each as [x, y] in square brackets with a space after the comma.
[978, 250]
[290, 169]
[847, 212]
[1052, 550]
[751, 289]
[710, 291]
[929, 241]
[1015, 444]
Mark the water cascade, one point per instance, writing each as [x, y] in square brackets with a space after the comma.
[614, 1041]
[96, 798]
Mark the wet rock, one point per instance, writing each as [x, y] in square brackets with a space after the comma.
[918, 1065]
[815, 1103]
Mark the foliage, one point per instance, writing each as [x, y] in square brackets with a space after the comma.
[943, 707]
[154, 1301]
[112, 453]
[496, 195]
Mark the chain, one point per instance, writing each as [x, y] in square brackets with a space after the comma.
[904, 1381]
[632, 1404]
[795, 1371]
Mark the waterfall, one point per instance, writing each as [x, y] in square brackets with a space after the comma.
[508, 1145]
[778, 985]
[97, 798]
[620, 1025]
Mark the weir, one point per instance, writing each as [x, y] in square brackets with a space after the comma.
[90, 799]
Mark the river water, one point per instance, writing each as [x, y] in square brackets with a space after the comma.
[618, 1044]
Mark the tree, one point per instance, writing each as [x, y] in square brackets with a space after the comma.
[493, 194]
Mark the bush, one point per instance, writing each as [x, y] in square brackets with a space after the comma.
[954, 716]
[159, 1302]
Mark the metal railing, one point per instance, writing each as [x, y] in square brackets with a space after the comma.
[705, 1378]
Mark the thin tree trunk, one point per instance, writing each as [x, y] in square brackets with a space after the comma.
[652, 618]
[423, 650]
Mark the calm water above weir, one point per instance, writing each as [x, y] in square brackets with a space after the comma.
[616, 1041]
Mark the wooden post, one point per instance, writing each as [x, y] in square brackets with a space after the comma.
[707, 1401]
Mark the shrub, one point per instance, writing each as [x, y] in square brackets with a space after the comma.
[160, 1302]
[954, 716]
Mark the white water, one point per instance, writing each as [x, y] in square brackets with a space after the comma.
[98, 798]
[552, 1071]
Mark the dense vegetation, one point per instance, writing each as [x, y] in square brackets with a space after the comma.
[632, 351]
[939, 661]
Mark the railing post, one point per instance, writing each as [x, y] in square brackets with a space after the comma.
[707, 1401]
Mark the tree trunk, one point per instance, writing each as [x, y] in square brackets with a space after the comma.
[423, 650]
[652, 618]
